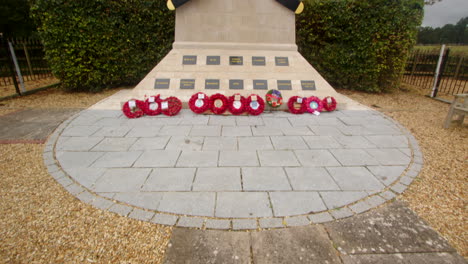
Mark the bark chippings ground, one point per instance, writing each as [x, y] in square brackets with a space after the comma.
[41, 223]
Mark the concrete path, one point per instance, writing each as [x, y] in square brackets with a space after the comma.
[389, 235]
[225, 172]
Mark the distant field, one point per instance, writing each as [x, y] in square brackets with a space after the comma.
[455, 49]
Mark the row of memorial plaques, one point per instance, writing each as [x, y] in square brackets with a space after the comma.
[235, 60]
[235, 84]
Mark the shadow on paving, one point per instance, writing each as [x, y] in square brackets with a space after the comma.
[31, 125]
[392, 234]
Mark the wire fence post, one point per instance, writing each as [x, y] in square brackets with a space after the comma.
[436, 75]
[18, 71]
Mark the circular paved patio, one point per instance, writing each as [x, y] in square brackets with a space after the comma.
[226, 172]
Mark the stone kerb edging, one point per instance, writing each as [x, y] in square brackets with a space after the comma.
[259, 223]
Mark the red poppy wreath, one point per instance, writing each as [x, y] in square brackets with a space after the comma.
[255, 104]
[314, 105]
[297, 101]
[219, 103]
[237, 104]
[171, 106]
[133, 108]
[329, 103]
[152, 106]
[199, 103]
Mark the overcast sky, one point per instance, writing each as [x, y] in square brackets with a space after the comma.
[445, 12]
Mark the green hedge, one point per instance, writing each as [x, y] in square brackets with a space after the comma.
[97, 44]
[359, 44]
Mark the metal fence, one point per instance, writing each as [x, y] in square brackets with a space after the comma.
[22, 60]
[441, 73]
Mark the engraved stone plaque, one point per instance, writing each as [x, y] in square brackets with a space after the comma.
[284, 85]
[162, 83]
[213, 60]
[282, 61]
[187, 84]
[258, 61]
[189, 60]
[236, 84]
[260, 84]
[308, 85]
[236, 60]
[212, 84]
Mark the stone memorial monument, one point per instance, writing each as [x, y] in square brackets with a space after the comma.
[234, 46]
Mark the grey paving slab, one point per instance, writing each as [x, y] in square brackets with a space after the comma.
[244, 224]
[158, 158]
[190, 222]
[77, 159]
[389, 141]
[296, 131]
[307, 244]
[382, 129]
[388, 195]
[144, 200]
[195, 120]
[413, 258]
[399, 188]
[354, 157]
[249, 121]
[243, 205]
[85, 176]
[217, 179]
[276, 121]
[275, 158]
[80, 131]
[288, 142]
[297, 221]
[205, 131]
[302, 120]
[326, 130]
[354, 178]
[264, 179]
[354, 142]
[266, 131]
[79, 143]
[206, 158]
[229, 158]
[120, 209]
[320, 218]
[254, 143]
[110, 121]
[338, 199]
[389, 156]
[121, 180]
[207, 246]
[117, 159]
[218, 224]
[321, 142]
[328, 121]
[236, 131]
[387, 174]
[141, 215]
[222, 120]
[296, 203]
[175, 130]
[188, 203]
[149, 132]
[316, 158]
[154, 143]
[170, 179]
[112, 131]
[311, 179]
[164, 219]
[114, 144]
[390, 229]
[220, 143]
[271, 222]
[341, 213]
[185, 143]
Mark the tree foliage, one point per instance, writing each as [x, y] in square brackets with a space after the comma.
[96, 44]
[453, 34]
[15, 19]
[361, 44]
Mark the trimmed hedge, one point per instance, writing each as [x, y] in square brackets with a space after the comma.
[354, 44]
[359, 44]
[96, 44]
